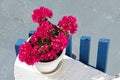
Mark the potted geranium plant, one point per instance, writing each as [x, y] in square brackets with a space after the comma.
[46, 47]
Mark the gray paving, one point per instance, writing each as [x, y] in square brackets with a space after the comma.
[96, 18]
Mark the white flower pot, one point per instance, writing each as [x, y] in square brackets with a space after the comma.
[47, 67]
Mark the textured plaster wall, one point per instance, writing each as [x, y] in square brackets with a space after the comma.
[96, 18]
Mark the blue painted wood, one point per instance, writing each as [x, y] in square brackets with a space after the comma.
[73, 56]
[31, 32]
[102, 54]
[69, 47]
[84, 49]
[17, 45]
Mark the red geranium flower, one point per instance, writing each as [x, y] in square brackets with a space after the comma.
[49, 39]
[68, 23]
[40, 15]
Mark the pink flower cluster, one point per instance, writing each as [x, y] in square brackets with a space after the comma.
[48, 40]
[41, 14]
[68, 23]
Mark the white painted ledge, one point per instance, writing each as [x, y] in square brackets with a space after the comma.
[117, 78]
[70, 70]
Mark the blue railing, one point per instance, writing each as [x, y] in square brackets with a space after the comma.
[102, 54]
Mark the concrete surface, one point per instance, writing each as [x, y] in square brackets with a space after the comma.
[96, 18]
[76, 71]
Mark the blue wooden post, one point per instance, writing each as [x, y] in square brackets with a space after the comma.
[84, 49]
[102, 54]
[69, 47]
[31, 32]
[73, 56]
[17, 45]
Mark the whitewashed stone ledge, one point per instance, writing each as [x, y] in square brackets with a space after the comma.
[70, 70]
[117, 78]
